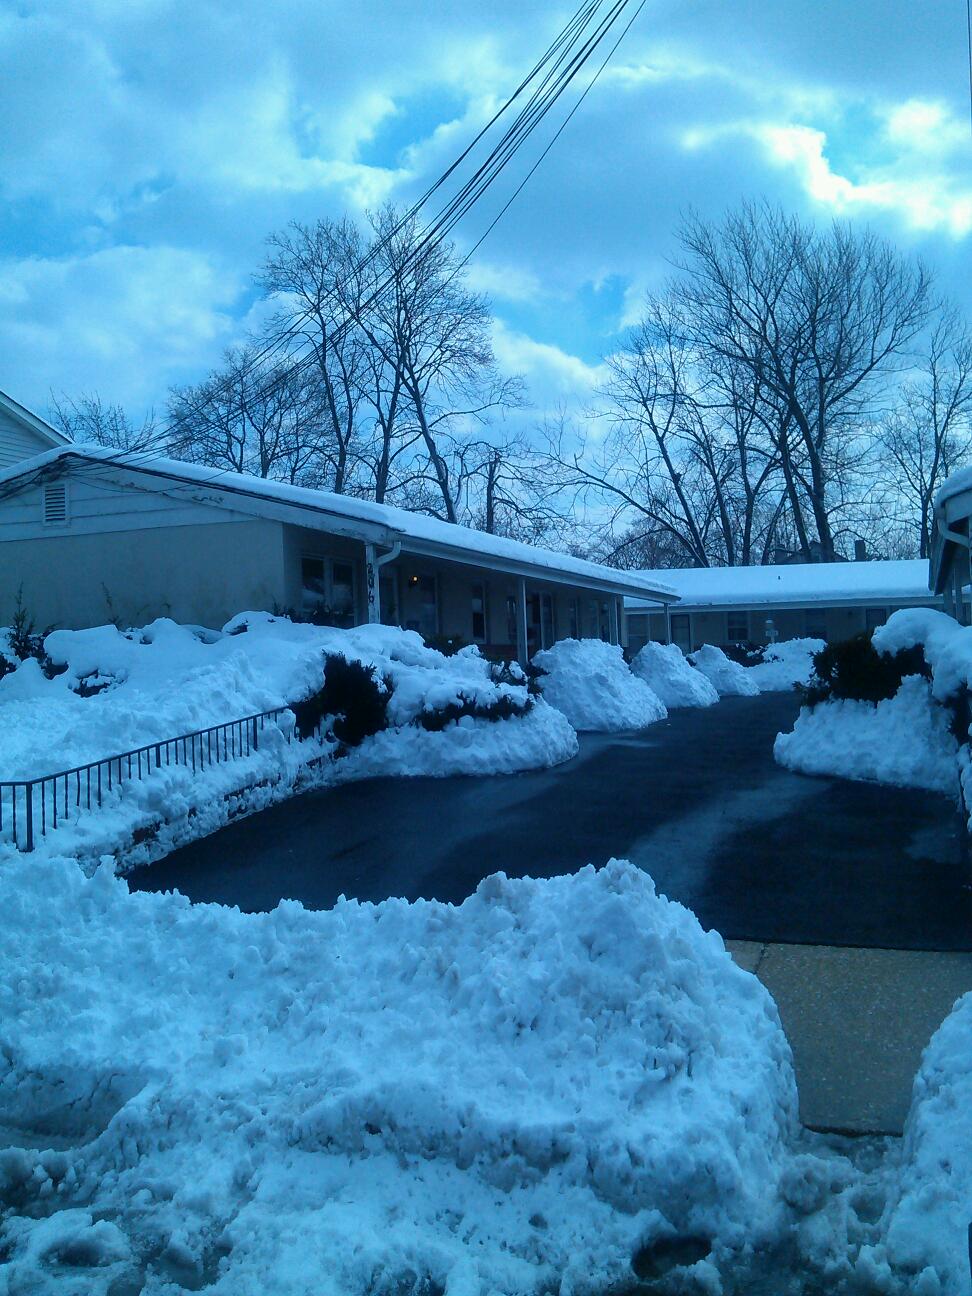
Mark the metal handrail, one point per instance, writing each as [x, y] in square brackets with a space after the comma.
[92, 782]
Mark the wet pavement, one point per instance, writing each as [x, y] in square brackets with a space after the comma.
[757, 852]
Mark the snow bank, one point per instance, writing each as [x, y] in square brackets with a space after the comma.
[167, 679]
[515, 1095]
[675, 680]
[904, 741]
[726, 676]
[589, 681]
[786, 665]
[925, 1226]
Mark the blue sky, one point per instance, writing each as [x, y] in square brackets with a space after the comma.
[149, 147]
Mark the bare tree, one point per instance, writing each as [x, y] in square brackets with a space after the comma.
[434, 379]
[928, 433]
[89, 418]
[309, 272]
[819, 320]
[251, 417]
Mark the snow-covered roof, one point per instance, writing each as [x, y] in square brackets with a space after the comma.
[797, 584]
[380, 524]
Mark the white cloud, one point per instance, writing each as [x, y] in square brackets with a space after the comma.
[123, 321]
[551, 374]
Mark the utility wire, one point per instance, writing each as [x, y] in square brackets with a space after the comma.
[559, 65]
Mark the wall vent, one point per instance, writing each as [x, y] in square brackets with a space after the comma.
[55, 504]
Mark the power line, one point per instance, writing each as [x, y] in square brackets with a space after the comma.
[553, 73]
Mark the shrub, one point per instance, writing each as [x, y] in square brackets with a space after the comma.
[447, 645]
[353, 695]
[745, 653]
[855, 670]
[502, 708]
[24, 638]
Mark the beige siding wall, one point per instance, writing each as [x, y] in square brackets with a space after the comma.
[832, 624]
[202, 574]
[18, 442]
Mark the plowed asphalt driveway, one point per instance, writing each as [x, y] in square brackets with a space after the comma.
[757, 852]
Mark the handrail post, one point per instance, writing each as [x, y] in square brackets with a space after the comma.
[256, 741]
[29, 816]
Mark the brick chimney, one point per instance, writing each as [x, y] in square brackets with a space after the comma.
[860, 551]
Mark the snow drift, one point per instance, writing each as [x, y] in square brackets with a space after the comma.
[675, 680]
[924, 1229]
[519, 1094]
[727, 677]
[903, 741]
[907, 740]
[785, 665]
[590, 682]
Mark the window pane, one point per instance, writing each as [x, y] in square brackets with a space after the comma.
[312, 579]
[479, 613]
[738, 627]
[342, 589]
[546, 620]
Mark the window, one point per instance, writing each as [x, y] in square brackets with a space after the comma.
[737, 627]
[815, 624]
[342, 592]
[511, 619]
[327, 590]
[874, 617]
[422, 606]
[546, 620]
[479, 613]
[574, 618]
[313, 581]
[55, 504]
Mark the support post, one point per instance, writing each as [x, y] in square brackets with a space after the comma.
[372, 585]
[668, 623]
[613, 620]
[521, 622]
[622, 624]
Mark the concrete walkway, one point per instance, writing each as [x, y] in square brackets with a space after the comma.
[857, 1020]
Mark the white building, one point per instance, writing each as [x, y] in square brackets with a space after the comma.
[831, 601]
[23, 434]
[950, 577]
[92, 535]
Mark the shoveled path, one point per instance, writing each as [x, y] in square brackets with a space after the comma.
[758, 853]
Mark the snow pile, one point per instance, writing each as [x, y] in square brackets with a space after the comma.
[590, 682]
[906, 740]
[925, 1226]
[903, 740]
[727, 677]
[519, 1094]
[118, 691]
[786, 665]
[675, 680]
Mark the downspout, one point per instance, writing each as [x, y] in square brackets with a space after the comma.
[373, 566]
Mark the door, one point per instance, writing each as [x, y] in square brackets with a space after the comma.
[682, 631]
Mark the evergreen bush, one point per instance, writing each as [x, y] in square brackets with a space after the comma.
[353, 695]
[853, 669]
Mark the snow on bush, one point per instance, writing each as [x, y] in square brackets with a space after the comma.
[925, 1226]
[590, 682]
[903, 740]
[907, 739]
[785, 665]
[727, 677]
[117, 691]
[524, 1093]
[675, 680]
